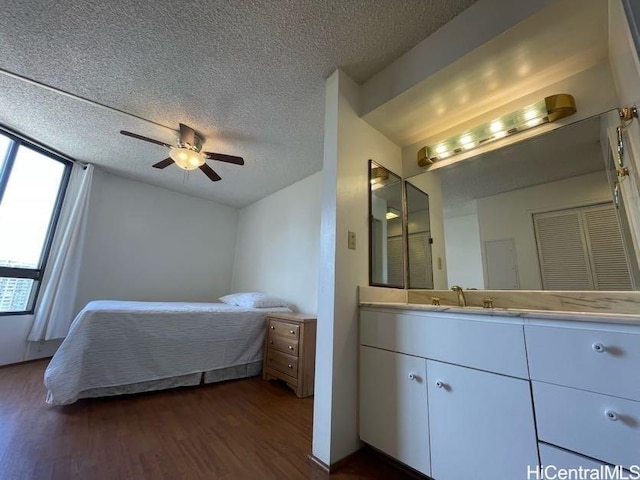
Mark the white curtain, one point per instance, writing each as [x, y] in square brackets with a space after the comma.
[54, 312]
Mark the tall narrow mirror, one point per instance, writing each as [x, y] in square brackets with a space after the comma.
[418, 238]
[386, 246]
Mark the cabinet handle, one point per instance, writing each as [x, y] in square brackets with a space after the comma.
[292, 332]
[411, 376]
[611, 415]
[598, 347]
[290, 366]
[290, 347]
[272, 327]
[441, 384]
[271, 342]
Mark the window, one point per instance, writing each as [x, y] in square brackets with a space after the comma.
[32, 186]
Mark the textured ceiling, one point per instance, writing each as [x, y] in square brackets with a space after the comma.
[249, 75]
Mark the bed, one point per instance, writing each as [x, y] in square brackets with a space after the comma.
[117, 347]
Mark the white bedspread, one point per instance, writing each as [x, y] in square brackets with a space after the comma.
[119, 343]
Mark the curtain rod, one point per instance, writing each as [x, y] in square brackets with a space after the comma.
[21, 136]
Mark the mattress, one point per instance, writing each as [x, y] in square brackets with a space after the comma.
[122, 347]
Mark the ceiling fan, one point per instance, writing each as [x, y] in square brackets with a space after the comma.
[188, 154]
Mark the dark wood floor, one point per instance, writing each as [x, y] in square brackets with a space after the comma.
[242, 429]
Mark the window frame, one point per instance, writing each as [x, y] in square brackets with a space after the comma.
[35, 274]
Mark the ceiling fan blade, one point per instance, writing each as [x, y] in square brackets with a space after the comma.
[163, 164]
[187, 134]
[208, 171]
[221, 157]
[140, 137]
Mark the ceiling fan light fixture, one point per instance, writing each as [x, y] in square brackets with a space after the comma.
[186, 158]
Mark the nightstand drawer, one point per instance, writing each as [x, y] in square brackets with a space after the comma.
[283, 344]
[288, 330]
[282, 363]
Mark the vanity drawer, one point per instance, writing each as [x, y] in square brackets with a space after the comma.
[596, 360]
[282, 363]
[599, 426]
[288, 330]
[494, 346]
[550, 455]
[283, 344]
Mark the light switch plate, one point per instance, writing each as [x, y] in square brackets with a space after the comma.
[351, 241]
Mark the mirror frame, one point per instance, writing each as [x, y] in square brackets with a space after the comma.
[370, 164]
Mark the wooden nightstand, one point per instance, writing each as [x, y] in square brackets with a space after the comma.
[290, 351]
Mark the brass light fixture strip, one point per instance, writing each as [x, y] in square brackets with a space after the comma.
[551, 109]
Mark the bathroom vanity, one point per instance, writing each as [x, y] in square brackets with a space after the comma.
[489, 393]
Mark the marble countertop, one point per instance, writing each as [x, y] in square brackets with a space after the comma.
[513, 312]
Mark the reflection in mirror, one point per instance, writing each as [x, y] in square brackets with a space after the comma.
[418, 238]
[537, 214]
[386, 262]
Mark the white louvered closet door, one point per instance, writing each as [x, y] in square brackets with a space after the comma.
[581, 249]
[395, 262]
[608, 259]
[420, 264]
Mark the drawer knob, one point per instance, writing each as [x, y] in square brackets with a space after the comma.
[290, 347]
[290, 366]
[411, 376]
[271, 342]
[598, 347]
[272, 327]
[292, 332]
[440, 384]
[611, 415]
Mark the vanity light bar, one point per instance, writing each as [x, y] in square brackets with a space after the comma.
[550, 109]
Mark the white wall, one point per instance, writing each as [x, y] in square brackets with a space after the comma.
[509, 215]
[464, 252]
[278, 247]
[148, 243]
[349, 142]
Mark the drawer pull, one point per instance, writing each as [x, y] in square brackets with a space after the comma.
[411, 376]
[292, 332]
[440, 384]
[290, 366]
[611, 415]
[290, 347]
[598, 347]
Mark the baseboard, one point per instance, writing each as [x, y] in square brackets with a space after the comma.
[25, 361]
[318, 463]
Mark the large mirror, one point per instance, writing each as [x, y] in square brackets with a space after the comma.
[539, 214]
[386, 245]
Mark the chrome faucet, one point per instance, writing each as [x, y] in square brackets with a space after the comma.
[462, 302]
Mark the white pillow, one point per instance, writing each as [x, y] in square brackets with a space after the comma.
[253, 300]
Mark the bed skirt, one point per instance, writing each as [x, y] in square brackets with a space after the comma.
[212, 376]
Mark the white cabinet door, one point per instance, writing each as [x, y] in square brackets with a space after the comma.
[393, 406]
[482, 425]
